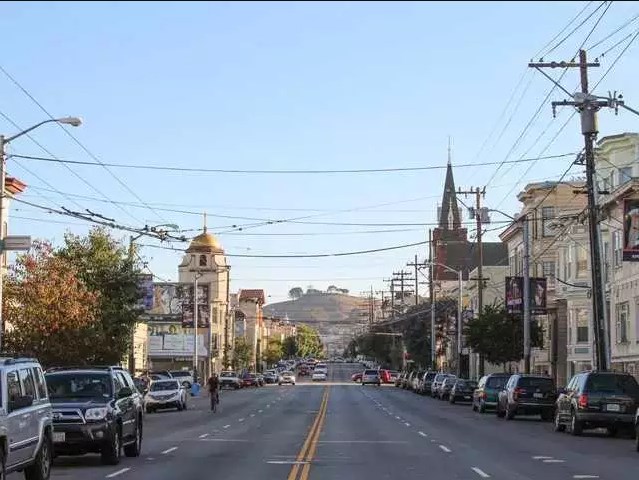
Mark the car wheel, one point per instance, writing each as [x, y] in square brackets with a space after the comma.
[482, 407]
[576, 427]
[499, 412]
[451, 399]
[510, 414]
[134, 449]
[612, 431]
[41, 468]
[111, 453]
[558, 426]
[180, 407]
[3, 473]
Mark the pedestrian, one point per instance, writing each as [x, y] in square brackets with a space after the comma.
[213, 385]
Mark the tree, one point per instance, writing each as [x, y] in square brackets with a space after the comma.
[499, 336]
[295, 293]
[242, 354]
[274, 351]
[289, 347]
[106, 269]
[49, 310]
[308, 342]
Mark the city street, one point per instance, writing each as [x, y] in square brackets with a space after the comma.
[341, 430]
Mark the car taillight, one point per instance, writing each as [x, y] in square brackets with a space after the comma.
[483, 395]
[583, 401]
[518, 391]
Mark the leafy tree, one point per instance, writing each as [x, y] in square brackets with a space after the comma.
[274, 351]
[289, 347]
[48, 309]
[308, 342]
[499, 336]
[295, 293]
[242, 354]
[332, 289]
[106, 269]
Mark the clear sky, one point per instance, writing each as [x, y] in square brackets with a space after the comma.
[290, 85]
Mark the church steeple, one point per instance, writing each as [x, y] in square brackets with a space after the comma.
[449, 213]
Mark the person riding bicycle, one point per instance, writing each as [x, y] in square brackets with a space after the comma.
[213, 384]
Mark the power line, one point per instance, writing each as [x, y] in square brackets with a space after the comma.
[278, 172]
[574, 19]
[576, 28]
[75, 139]
[596, 44]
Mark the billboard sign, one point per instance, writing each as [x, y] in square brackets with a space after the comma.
[167, 300]
[515, 295]
[203, 306]
[145, 286]
[631, 230]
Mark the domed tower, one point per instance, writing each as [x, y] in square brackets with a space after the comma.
[204, 263]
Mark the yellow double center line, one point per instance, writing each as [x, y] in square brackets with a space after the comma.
[310, 444]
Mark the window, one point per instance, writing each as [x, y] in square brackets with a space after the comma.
[548, 269]
[637, 319]
[117, 382]
[40, 383]
[606, 262]
[622, 322]
[581, 255]
[625, 175]
[617, 248]
[28, 382]
[13, 389]
[581, 318]
[202, 260]
[547, 216]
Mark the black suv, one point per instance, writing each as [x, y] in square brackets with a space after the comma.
[597, 399]
[527, 395]
[95, 410]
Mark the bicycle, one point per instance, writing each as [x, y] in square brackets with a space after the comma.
[215, 401]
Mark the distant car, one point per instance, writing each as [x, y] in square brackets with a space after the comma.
[270, 377]
[166, 394]
[260, 380]
[230, 380]
[446, 386]
[371, 377]
[185, 377]
[598, 399]
[318, 376]
[427, 382]
[487, 391]
[416, 381]
[304, 370]
[400, 379]
[286, 377]
[437, 382]
[462, 391]
[393, 376]
[384, 375]
[527, 395]
[250, 380]
[356, 377]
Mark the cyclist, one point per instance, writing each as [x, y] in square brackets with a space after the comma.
[213, 384]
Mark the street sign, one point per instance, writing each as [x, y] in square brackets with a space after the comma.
[16, 242]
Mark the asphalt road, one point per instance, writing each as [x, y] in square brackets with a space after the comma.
[340, 430]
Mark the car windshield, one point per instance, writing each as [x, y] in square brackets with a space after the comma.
[370, 372]
[466, 384]
[496, 382]
[164, 386]
[535, 382]
[227, 374]
[79, 385]
[614, 384]
[180, 374]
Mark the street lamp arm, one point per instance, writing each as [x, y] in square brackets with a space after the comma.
[443, 266]
[74, 121]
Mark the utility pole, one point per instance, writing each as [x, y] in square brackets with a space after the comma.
[526, 274]
[588, 105]
[479, 193]
[433, 335]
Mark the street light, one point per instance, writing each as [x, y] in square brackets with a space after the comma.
[459, 315]
[73, 121]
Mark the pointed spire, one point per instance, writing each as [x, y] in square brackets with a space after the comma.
[204, 229]
[450, 154]
[449, 218]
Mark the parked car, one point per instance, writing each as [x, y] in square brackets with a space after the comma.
[598, 399]
[637, 430]
[95, 410]
[527, 395]
[250, 380]
[462, 390]
[166, 394]
[445, 387]
[230, 380]
[270, 377]
[356, 377]
[371, 377]
[415, 382]
[487, 391]
[437, 382]
[185, 377]
[260, 380]
[286, 377]
[319, 375]
[400, 379]
[427, 382]
[393, 376]
[384, 375]
[304, 371]
[408, 383]
[26, 425]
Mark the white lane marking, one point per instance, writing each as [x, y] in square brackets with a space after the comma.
[268, 406]
[150, 458]
[119, 472]
[480, 472]
[286, 462]
[240, 419]
[252, 415]
[422, 434]
[260, 411]
[226, 426]
[541, 457]
[553, 460]
[169, 450]
[398, 418]
[204, 435]
[445, 448]
[585, 476]
[407, 424]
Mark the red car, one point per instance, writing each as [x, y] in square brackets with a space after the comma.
[385, 376]
[250, 380]
[356, 377]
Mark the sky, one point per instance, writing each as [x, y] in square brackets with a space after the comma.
[294, 86]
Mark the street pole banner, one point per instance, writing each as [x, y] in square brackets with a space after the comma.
[515, 295]
[203, 306]
[631, 230]
[145, 286]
